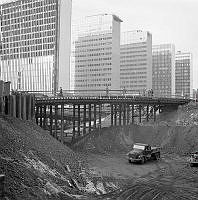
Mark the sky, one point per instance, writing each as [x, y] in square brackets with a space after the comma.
[169, 21]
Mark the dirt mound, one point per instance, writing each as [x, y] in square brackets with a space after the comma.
[186, 115]
[174, 131]
[36, 165]
[172, 139]
[106, 140]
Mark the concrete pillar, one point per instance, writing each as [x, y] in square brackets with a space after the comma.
[100, 109]
[1, 97]
[84, 120]
[1, 105]
[89, 118]
[120, 114]
[78, 119]
[124, 114]
[1, 88]
[37, 114]
[115, 115]
[56, 122]
[24, 107]
[6, 105]
[6, 91]
[44, 117]
[9, 105]
[29, 107]
[33, 106]
[147, 113]
[140, 113]
[19, 113]
[74, 112]
[41, 117]
[132, 114]
[62, 123]
[111, 114]
[14, 105]
[128, 113]
[51, 120]
[154, 112]
[95, 116]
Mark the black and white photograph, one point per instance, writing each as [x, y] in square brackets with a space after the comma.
[98, 100]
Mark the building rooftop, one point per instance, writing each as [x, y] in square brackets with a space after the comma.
[115, 17]
[6, 1]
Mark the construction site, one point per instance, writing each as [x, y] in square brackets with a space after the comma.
[39, 167]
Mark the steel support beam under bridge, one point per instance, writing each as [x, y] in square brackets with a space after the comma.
[70, 119]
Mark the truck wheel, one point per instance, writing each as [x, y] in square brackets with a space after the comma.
[130, 161]
[143, 160]
[191, 164]
[157, 156]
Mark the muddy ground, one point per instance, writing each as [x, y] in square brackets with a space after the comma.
[169, 178]
[118, 166]
[38, 167]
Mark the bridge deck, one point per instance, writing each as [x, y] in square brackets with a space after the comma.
[70, 118]
[111, 99]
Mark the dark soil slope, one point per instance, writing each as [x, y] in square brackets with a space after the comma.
[176, 132]
[177, 139]
[35, 164]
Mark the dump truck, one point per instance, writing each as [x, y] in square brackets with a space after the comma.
[193, 160]
[142, 153]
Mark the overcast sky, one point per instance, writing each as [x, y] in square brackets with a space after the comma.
[169, 21]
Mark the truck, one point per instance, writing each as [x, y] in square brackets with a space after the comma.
[141, 153]
[193, 160]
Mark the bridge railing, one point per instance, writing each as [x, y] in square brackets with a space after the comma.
[100, 94]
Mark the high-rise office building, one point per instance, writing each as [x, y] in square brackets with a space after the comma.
[183, 74]
[96, 53]
[136, 61]
[163, 70]
[35, 44]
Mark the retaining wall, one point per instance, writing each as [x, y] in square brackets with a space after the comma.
[18, 105]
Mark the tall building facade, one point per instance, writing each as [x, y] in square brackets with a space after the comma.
[96, 53]
[136, 61]
[183, 74]
[35, 44]
[163, 70]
